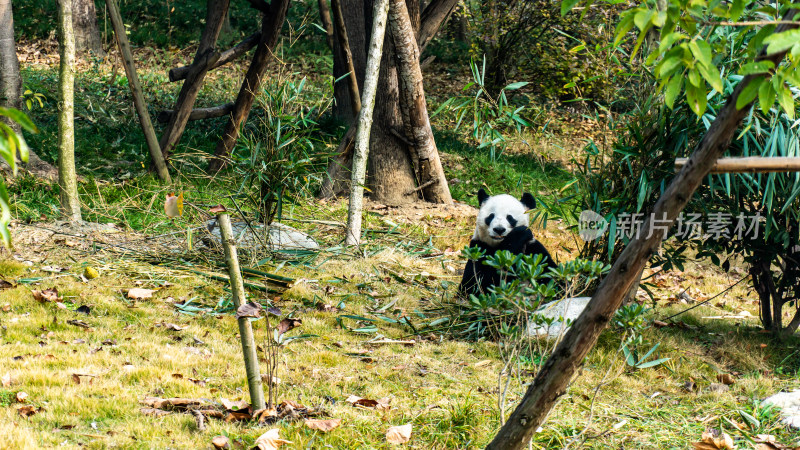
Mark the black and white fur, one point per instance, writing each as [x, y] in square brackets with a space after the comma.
[502, 224]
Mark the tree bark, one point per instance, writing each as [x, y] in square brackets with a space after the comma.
[245, 328]
[434, 15]
[751, 164]
[552, 380]
[415, 109]
[270, 33]
[203, 59]
[198, 113]
[146, 124]
[11, 85]
[362, 141]
[84, 20]
[325, 18]
[67, 178]
[180, 73]
[344, 44]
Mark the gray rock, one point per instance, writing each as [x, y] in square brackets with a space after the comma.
[789, 404]
[562, 310]
[279, 237]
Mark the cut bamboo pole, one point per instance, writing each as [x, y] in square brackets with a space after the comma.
[353, 232]
[136, 89]
[245, 328]
[750, 164]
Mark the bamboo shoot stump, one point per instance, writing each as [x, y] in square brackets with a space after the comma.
[245, 328]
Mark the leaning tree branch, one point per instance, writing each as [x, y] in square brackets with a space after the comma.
[552, 380]
[198, 113]
[180, 73]
[204, 58]
[270, 33]
[432, 19]
[260, 5]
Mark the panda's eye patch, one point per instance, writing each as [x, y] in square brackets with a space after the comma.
[511, 220]
[489, 219]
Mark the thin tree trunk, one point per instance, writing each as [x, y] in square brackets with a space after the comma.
[67, 178]
[432, 180]
[153, 146]
[362, 141]
[552, 380]
[179, 73]
[344, 44]
[84, 20]
[203, 59]
[245, 328]
[325, 18]
[270, 33]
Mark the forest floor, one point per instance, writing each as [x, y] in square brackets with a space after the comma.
[87, 359]
[74, 371]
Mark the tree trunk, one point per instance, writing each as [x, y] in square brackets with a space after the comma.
[67, 179]
[84, 20]
[362, 144]
[325, 18]
[433, 182]
[552, 380]
[270, 33]
[180, 73]
[344, 45]
[156, 157]
[390, 174]
[11, 83]
[203, 59]
[434, 15]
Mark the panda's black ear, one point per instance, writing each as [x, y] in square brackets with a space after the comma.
[528, 200]
[482, 196]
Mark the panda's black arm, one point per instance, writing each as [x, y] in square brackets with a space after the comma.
[516, 240]
[534, 247]
[477, 276]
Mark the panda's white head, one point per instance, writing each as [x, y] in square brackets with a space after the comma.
[499, 214]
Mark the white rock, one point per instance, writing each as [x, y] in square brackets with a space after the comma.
[279, 237]
[789, 404]
[562, 310]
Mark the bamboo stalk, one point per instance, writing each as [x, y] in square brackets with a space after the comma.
[751, 164]
[245, 328]
[136, 90]
[353, 232]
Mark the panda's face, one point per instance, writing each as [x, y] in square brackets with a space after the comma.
[500, 214]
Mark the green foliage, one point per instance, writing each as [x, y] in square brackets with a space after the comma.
[490, 117]
[507, 310]
[280, 156]
[11, 147]
[696, 46]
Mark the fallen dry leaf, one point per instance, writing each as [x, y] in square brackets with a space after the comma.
[249, 309]
[5, 284]
[22, 396]
[399, 434]
[27, 410]
[79, 323]
[47, 295]
[140, 293]
[287, 324]
[483, 363]
[220, 442]
[6, 380]
[270, 440]
[154, 412]
[726, 378]
[234, 406]
[714, 440]
[323, 425]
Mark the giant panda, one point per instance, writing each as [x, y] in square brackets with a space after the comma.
[502, 224]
